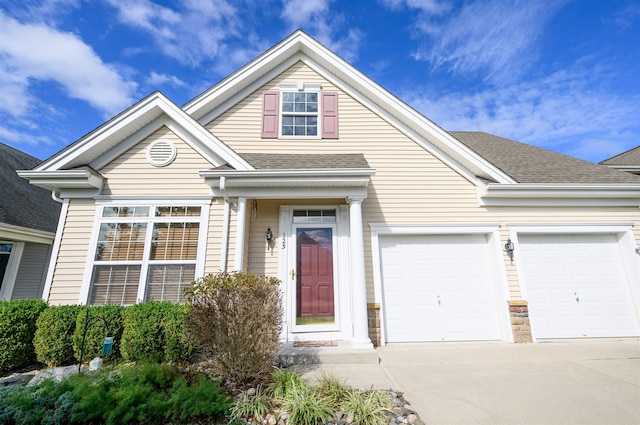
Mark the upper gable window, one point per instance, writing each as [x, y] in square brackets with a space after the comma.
[300, 111]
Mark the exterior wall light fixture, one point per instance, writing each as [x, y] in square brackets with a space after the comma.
[509, 248]
[269, 235]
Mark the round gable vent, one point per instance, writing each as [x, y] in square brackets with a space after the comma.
[161, 153]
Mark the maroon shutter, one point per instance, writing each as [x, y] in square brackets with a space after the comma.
[270, 108]
[329, 115]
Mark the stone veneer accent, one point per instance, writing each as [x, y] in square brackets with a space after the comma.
[520, 326]
[373, 314]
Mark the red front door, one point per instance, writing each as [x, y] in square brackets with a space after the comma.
[314, 295]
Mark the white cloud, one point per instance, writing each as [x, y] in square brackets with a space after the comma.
[196, 31]
[39, 52]
[155, 79]
[315, 17]
[490, 38]
[434, 7]
[564, 111]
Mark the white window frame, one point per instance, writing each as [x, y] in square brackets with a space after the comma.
[11, 272]
[150, 219]
[300, 87]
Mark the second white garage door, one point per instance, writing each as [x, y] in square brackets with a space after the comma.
[576, 286]
[438, 288]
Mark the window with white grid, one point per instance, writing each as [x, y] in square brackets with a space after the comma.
[145, 252]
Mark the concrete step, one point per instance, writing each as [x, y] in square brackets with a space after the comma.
[341, 353]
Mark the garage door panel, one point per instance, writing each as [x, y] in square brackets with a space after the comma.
[435, 286]
[576, 286]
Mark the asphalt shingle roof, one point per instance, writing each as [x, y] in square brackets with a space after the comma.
[530, 164]
[630, 157]
[268, 161]
[23, 204]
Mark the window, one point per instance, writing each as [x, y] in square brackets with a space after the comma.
[299, 114]
[145, 252]
[5, 253]
[307, 112]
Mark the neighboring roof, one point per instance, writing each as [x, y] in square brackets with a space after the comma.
[265, 161]
[630, 157]
[23, 204]
[530, 164]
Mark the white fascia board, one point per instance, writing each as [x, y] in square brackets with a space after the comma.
[63, 179]
[246, 75]
[131, 122]
[528, 194]
[25, 234]
[627, 168]
[290, 178]
[300, 46]
[280, 192]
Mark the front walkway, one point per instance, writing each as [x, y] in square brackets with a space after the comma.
[562, 382]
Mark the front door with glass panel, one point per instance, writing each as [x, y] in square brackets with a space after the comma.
[315, 289]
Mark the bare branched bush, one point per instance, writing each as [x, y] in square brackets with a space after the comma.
[235, 320]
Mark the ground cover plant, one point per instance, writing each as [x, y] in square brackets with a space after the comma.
[130, 394]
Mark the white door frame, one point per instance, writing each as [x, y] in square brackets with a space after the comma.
[286, 242]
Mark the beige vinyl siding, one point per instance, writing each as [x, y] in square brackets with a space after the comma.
[72, 256]
[214, 237]
[132, 174]
[410, 185]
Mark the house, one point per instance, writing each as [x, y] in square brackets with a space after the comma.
[382, 226]
[28, 221]
[628, 161]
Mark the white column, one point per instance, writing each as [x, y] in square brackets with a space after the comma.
[240, 232]
[358, 281]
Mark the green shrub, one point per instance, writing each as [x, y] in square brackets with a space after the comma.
[144, 394]
[155, 332]
[53, 340]
[178, 347]
[17, 329]
[104, 320]
[236, 319]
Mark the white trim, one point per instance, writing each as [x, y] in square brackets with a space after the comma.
[145, 112]
[11, 272]
[203, 220]
[491, 230]
[53, 260]
[241, 224]
[552, 194]
[224, 248]
[626, 243]
[285, 242]
[9, 231]
[301, 47]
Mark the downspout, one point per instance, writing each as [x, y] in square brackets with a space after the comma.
[240, 234]
[55, 196]
[225, 226]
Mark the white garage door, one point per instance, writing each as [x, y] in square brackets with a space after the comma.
[577, 286]
[438, 288]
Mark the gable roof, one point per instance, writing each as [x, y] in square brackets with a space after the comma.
[23, 204]
[300, 47]
[138, 121]
[531, 164]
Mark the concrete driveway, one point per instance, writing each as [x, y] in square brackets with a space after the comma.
[561, 383]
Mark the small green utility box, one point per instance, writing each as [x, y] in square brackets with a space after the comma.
[107, 346]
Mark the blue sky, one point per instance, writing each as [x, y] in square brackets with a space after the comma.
[559, 74]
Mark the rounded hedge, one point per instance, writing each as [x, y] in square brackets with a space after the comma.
[53, 340]
[17, 329]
